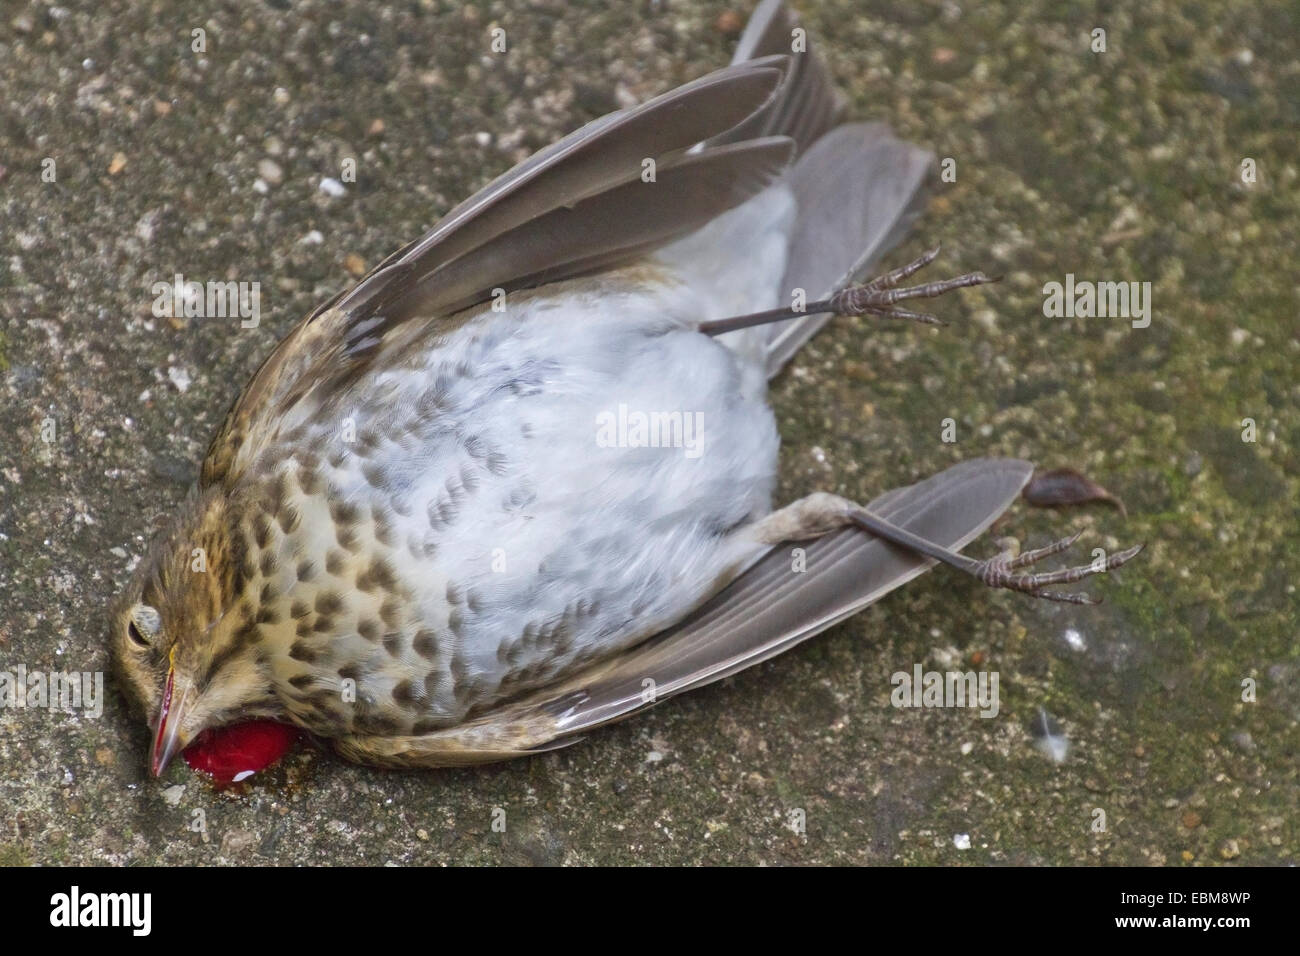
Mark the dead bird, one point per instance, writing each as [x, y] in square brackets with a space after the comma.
[456, 517]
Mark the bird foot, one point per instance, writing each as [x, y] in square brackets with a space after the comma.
[878, 296]
[1003, 571]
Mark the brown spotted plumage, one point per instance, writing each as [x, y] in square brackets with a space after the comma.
[417, 533]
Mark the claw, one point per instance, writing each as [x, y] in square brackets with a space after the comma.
[999, 571]
[1065, 597]
[878, 296]
[891, 279]
[925, 318]
[1056, 547]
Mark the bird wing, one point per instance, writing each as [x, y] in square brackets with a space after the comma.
[577, 206]
[766, 611]
[807, 105]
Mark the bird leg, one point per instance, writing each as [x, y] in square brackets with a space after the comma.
[821, 513]
[877, 297]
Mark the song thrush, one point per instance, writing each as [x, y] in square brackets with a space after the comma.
[516, 483]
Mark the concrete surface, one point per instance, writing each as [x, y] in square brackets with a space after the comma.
[1121, 166]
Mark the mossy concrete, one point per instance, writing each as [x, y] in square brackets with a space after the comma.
[1116, 166]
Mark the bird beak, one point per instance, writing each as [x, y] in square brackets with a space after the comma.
[167, 741]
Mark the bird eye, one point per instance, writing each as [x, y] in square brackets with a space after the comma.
[144, 626]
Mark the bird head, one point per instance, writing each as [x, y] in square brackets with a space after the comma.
[184, 635]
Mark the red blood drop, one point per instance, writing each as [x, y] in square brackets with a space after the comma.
[233, 753]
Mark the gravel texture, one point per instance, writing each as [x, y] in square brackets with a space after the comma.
[1123, 165]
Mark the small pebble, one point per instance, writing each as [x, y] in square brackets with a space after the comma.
[729, 23]
[180, 378]
[237, 841]
[270, 171]
[1075, 640]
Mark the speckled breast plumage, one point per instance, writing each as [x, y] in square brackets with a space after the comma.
[448, 532]
[431, 539]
